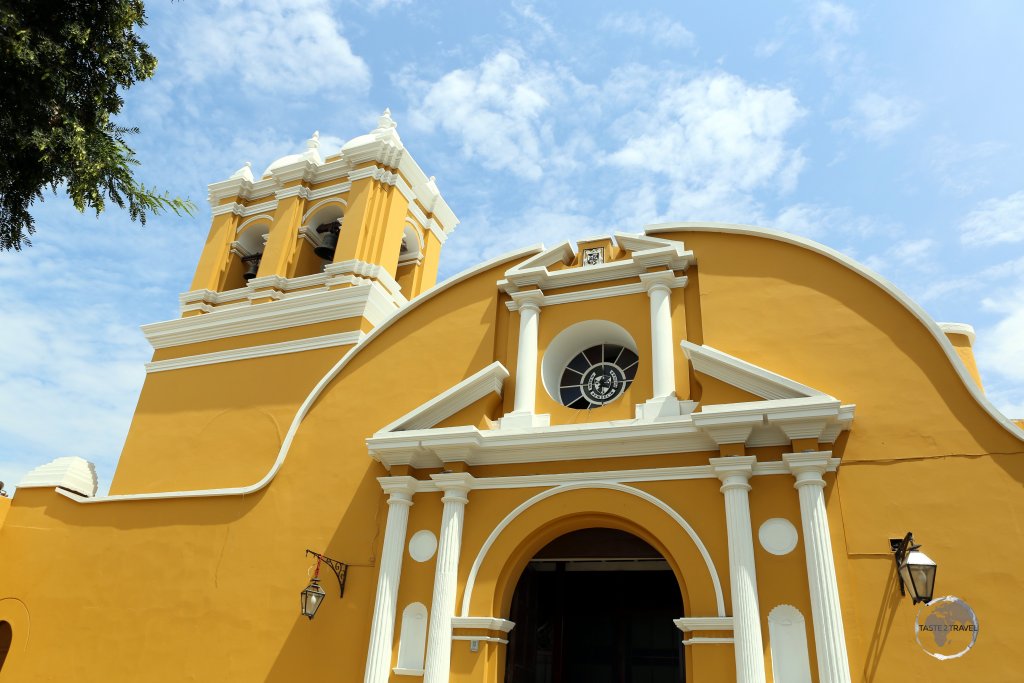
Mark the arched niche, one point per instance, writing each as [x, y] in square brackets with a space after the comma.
[412, 641]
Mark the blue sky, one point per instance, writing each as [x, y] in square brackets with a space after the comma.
[889, 131]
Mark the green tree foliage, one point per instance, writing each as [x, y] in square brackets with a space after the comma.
[62, 64]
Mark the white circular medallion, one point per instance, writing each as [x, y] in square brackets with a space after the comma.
[422, 545]
[778, 536]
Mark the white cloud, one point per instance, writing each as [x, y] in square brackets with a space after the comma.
[279, 46]
[529, 12]
[878, 118]
[962, 167]
[832, 23]
[768, 48]
[912, 254]
[819, 221]
[714, 138]
[995, 221]
[500, 110]
[657, 28]
[378, 5]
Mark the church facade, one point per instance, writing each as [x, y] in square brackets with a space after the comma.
[684, 454]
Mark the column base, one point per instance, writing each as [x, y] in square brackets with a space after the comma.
[664, 406]
[523, 420]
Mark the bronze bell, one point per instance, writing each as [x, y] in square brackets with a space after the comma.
[330, 241]
[252, 266]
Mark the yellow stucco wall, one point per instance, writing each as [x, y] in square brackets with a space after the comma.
[207, 588]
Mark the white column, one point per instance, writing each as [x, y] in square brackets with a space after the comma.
[735, 473]
[829, 635]
[524, 409]
[382, 630]
[456, 488]
[659, 289]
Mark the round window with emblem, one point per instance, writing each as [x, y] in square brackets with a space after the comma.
[597, 375]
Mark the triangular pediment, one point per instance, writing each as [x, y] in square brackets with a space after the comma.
[636, 254]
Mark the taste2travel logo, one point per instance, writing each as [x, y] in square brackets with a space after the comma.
[946, 627]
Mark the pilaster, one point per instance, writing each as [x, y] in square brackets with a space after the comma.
[456, 487]
[735, 473]
[382, 630]
[829, 634]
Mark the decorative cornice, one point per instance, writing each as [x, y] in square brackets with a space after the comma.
[483, 623]
[591, 294]
[69, 472]
[261, 351]
[689, 624]
[684, 434]
[368, 300]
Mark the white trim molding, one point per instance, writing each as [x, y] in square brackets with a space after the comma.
[646, 252]
[369, 301]
[483, 623]
[743, 375]
[261, 351]
[467, 595]
[447, 403]
[688, 624]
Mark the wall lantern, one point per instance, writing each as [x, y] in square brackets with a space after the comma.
[312, 595]
[916, 570]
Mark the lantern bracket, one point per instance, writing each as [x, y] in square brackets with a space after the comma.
[902, 546]
[340, 569]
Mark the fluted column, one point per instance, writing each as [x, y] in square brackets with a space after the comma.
[829, 635]
[735, 473]
[659, 290]
[382, 630]
[456, 488]
[526, 360]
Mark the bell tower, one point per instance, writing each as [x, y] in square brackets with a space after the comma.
[300, 264]
[367, 212]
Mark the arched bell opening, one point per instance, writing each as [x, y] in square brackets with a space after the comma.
[319, 238]
[410, 259]
[596, 605]
[246, 254]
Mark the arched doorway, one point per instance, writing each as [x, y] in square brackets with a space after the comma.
[596, 606]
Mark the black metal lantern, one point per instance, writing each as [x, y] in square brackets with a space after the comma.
[916, 570]
[330, 240]
[311, 596]
[252, 265]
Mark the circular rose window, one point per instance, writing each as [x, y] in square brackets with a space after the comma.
[597, 376]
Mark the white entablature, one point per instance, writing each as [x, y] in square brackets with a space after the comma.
[794, 411]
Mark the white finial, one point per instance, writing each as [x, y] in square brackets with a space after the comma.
[433, 179]
[314, 142]
[245, 172]
[385, 120]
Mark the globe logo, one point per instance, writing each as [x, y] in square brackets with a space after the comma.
[946, 627]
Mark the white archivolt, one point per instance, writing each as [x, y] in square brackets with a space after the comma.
[657, 502]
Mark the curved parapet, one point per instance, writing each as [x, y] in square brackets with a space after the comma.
[70, 472]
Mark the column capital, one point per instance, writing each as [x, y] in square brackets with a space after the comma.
[809, 467]
[734, 471]
[399, 488]
[455, 485]
[529, 300]
[659, 279]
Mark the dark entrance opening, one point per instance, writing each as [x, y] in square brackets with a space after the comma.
[596, 606]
